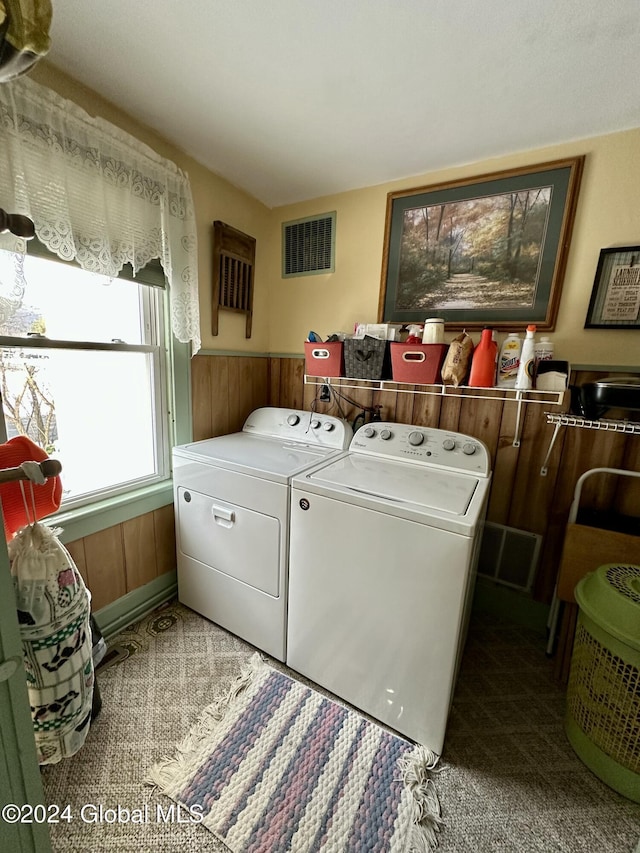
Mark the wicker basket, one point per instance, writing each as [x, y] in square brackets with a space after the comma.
[367, 358]
[603, 695]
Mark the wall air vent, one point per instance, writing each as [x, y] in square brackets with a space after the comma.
[308, 245]
[509, 556]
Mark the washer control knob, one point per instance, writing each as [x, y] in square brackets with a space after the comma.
[328, 426]
[385, 434]
[448, 444]
[292, 420]
[368, 432]
[469, 449]
[416, 438]
[315, 424]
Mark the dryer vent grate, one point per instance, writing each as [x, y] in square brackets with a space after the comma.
[509, 556]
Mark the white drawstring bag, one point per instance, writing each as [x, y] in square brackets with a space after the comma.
[53, 611]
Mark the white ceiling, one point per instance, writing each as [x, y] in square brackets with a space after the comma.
[292, 99]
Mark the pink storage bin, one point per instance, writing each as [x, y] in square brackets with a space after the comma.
[324, 359]
[418, 364]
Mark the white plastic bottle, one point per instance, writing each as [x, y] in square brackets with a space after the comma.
[433, 332]
[524, 379]
[509, 361]
[543, 350]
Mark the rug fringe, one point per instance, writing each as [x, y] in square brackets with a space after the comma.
[425, 814]
[176, 768]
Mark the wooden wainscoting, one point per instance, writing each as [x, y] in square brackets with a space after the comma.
[226, 389]
[122, 558]
[520, 497]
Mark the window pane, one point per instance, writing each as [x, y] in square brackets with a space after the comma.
[64, 302]
[91, 410]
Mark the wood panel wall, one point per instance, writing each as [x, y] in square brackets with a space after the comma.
[122, 558]
[226, 389]
[520, 497]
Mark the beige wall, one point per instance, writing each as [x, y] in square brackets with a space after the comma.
[213, 198]
[608, 214]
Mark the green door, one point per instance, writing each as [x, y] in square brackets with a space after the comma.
[19, 771]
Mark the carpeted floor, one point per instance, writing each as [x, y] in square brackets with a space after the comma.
[509, 781]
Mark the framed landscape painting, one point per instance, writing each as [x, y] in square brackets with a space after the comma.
[485, 251]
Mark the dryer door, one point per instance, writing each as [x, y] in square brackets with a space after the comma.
[239, 542]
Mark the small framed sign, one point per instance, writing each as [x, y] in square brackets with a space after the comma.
[615, 299]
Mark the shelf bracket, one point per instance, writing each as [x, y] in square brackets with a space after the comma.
[518, 431]
[545, 470]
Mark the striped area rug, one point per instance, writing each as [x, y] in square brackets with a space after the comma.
[275, 766]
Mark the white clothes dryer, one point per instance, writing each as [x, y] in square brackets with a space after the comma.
[384, 546]
[232, 496]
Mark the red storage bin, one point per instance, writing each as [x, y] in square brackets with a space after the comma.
[324, 359]
[418, 364]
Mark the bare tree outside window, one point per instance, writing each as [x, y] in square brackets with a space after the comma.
[28, 405]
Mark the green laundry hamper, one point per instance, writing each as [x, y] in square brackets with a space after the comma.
[603, 696]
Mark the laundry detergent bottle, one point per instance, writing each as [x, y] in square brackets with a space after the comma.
[524, 379]
[483, 365]
[509, 361]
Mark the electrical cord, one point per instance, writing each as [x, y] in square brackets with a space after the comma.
[360, 419]
[336, 397]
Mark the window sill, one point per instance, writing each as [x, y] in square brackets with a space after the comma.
[92, 518]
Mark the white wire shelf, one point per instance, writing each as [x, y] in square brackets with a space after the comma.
[558, 421]
[632, 427]
[549, 398]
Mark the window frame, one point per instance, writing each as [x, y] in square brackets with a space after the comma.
[172, 412]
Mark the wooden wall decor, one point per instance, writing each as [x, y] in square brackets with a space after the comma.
[233, 270]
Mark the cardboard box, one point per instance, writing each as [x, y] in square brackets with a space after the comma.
[324, 359]
[419, 364]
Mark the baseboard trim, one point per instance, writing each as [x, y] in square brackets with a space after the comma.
[136, 604]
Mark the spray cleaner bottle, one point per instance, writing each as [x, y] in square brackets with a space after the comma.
[414, 336]
[524, 379]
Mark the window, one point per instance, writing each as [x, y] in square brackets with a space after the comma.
[84, 372]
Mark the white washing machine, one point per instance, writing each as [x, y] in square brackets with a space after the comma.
[232, 496]
[384, 545]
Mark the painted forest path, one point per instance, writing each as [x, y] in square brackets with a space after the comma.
[468, 290]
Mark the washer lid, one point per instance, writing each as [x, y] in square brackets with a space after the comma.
[274, 459]
[419, 489]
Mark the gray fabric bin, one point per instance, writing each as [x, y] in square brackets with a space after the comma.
[367, 358]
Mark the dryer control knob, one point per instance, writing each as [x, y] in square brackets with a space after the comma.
[315, 424]
[292, 420]
[368, 432]
[416, 438]
[448, 444]
[469, 449]
[328, 426]
[385, 434]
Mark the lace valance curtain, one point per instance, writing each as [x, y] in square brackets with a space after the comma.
[98, 196]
